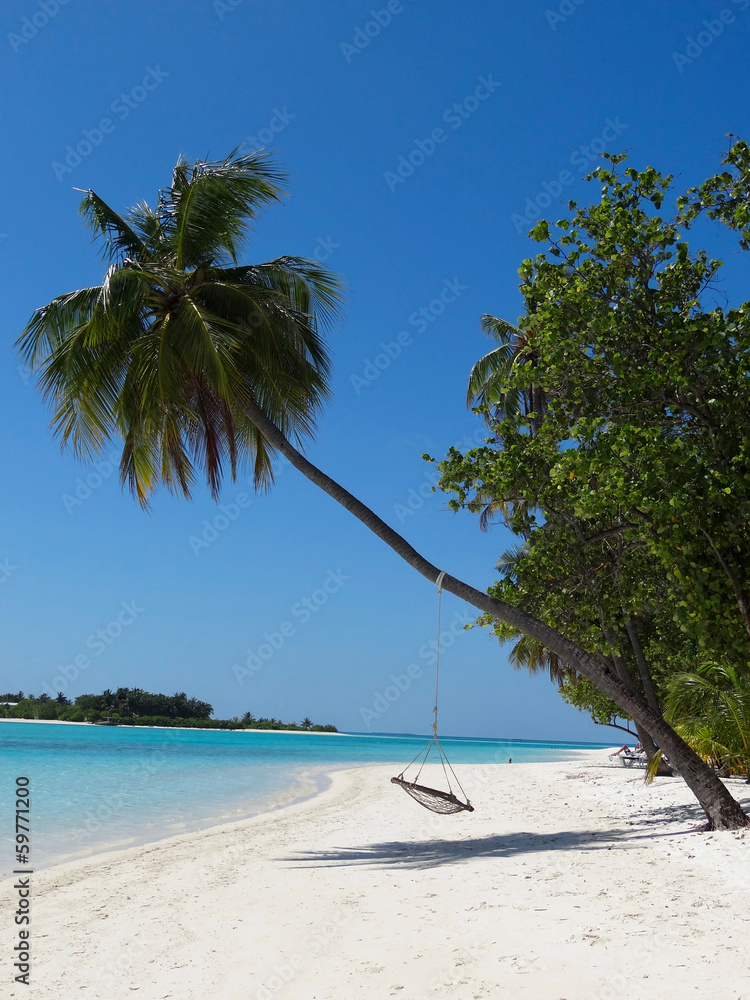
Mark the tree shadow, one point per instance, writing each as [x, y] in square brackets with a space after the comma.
[421, 854]
[681, 819]
[689, 815]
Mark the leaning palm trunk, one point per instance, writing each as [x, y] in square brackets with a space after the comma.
[722, 810]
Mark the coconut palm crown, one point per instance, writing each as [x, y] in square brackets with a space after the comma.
[180, 339]
[489, 390]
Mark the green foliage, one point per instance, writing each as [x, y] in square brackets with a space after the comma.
[620, 447]
[73, 715]
[125, 702]
[179, 340]
[135, 707]
[235, 723]
[583, 695]
[710, 709]
[726, 196]
[27, 708]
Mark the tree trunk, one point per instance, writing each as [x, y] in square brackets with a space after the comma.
[722, 810]
[620, 665]
[643, 667]
[739, 593]
[645, 737]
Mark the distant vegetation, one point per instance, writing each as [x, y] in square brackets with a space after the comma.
[135, 707]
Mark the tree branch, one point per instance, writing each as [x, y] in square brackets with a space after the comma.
[738, 593]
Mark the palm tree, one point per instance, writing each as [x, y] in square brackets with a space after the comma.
[528, 653]
[711, 710]
[490, 380]
[197, 362]
[490, 392]
[531, 655]
[122, 701]
[179, 345]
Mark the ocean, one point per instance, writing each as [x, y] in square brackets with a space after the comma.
[95, 788]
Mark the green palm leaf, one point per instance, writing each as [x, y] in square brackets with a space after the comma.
[710, 709]
[491, 381]
[489, 376]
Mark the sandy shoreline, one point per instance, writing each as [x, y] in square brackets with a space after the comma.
[197, 729]
[570, 880]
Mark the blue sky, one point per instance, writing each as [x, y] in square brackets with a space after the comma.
[106, 96]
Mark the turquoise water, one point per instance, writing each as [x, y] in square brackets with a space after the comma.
[95, 787]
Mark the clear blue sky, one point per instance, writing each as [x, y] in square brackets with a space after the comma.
[198, 77]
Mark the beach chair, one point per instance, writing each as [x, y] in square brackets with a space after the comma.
[630, 759]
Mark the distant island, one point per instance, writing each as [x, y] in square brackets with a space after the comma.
[136, 707]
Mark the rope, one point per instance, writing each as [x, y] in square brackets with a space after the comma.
[426, 752]
[443, 760]
[450, 768]
[415, 759]
[439, 585]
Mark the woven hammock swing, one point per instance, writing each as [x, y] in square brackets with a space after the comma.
[435, 799]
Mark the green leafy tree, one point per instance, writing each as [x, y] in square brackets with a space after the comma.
[198, 363]
[127, 702]
[629, 481]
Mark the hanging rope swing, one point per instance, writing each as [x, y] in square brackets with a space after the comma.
[435, 799]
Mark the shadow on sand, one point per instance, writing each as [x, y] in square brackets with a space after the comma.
[434, 853]
[420, 854]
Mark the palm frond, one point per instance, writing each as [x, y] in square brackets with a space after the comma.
[489, 385]
[510, 560]
[119, 239]
[710, 709]
[531, 655]
[210, 206]
[51, 324]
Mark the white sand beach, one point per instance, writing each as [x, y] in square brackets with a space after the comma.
[570, 881]
[197, 729]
